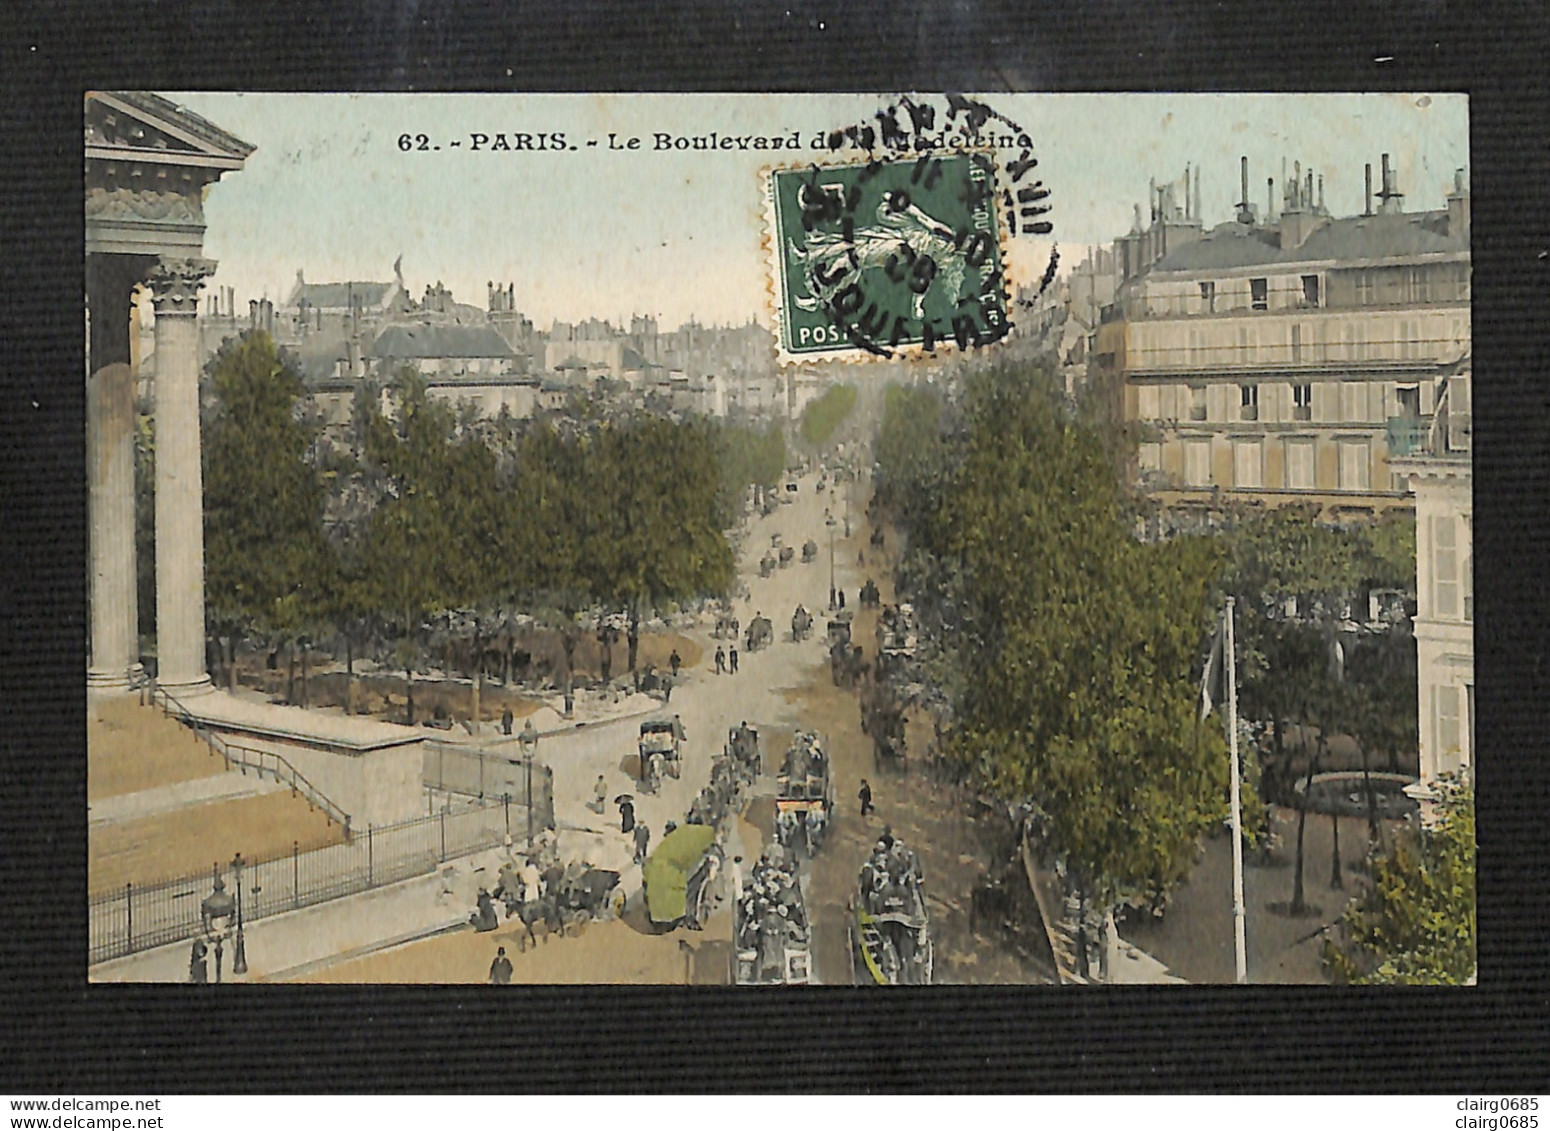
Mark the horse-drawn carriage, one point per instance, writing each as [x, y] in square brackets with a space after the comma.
[661, 742]
[561, 895]
[847, 664]
[839, 627]
[770, 932]
[761, 632]
[804, 799]
[809, 551]
[743, 750]
[679, 877]
[890, 931]
[870, 597]
[801, 624]
[882, 718]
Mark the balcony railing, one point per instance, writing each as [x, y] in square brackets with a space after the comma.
[1407, 434]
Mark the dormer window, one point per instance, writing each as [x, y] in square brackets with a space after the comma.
[1259, 293]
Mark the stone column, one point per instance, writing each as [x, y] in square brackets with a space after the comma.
[180, 572]
[110, 469]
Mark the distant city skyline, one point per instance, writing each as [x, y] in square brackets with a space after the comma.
[612, 233]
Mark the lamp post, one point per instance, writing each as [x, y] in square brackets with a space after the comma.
[828, 520]
[239, 959]
[216, 914]
[529, 748]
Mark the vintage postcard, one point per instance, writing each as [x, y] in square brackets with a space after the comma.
[779, 540]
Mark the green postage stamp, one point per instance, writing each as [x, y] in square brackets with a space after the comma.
[887, 256]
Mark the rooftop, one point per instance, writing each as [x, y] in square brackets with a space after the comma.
[1377, 237]
[423, 340]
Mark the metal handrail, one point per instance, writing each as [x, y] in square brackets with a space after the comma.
[281, 769]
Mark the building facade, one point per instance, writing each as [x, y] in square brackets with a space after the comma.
[1286, 359]
[1439, 476]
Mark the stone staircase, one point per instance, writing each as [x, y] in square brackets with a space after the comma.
[162, 804]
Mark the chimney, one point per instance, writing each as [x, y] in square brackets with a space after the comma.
[1297, 202]
[1245, 214]
[353, 357]
[1368, 210]
[1458, 207]
[1307, 200]
[1392, 200]
[1270, 197]
[1321, 192]
[1197, 192]
[1188, 215]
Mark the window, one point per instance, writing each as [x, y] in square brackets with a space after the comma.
[1302, 402]
[1147, 402]
[1197, 463]
[1248, 402]
[1355, 462]
[1364, 288]
[1445, 699]
[1420, 284]
[1151, 457]
[1445, 571]
[1259, 293]
[1208, 297]
[1246, 343]
[1299, 464]
[1353, 402]
[1469, 586]
[1409, 397]
[1355, 342]
[1296, 344]
[1197, 402]
[1248, 463]
[1310, 289]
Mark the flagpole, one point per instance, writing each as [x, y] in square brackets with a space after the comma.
[1239, 945]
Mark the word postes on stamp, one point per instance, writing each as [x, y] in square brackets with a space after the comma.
[888, 256]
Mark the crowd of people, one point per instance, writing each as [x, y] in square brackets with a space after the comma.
[890, 879]
[771, 914]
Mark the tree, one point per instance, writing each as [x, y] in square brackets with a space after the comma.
[1079, 643]
[268, 568]
[821, 417]
[433, 543]
[1416, 924]
[660, 539]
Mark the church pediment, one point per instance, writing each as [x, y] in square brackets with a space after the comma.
[141, 127]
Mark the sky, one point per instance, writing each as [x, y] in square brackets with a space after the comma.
[595, 231]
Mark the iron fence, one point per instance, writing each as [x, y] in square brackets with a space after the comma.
[136, 918]
[475, 773]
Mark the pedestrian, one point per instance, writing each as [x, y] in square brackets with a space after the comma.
[642, 839]
[866, 798]
[842, 598]
[600, 791]
[626, 815]
[198, 973]
[721, 660]
[732, 656]
[529, 735]
[675, 661]
[667, 689]
[500, 969]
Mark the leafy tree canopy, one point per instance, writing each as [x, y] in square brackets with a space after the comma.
[824, 415]
[1416, 924]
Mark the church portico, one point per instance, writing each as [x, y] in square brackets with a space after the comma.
[149, 164]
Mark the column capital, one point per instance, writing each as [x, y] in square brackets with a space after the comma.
[175, 282]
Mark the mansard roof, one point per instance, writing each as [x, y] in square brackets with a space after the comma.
[1403, 235]
[424, 340]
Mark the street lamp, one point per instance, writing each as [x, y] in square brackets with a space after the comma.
[828, 520]
[239, 960]
[216, 914]
[529, 748]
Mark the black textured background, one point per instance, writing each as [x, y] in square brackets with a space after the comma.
[58, 1033]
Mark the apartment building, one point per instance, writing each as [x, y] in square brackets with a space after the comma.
[1290, 358]
[1439, 473]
